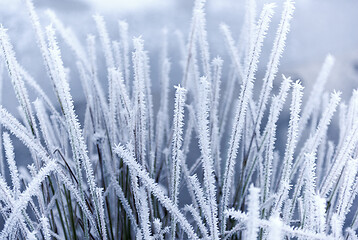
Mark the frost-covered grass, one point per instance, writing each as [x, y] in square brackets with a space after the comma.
[126, 171]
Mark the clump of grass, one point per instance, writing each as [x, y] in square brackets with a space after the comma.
[126, 170]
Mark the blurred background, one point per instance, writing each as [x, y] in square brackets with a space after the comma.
[319, 27]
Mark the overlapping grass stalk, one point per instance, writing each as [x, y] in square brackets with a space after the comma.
[129, 172]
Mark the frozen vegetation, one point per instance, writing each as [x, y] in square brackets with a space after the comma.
[203, 165]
